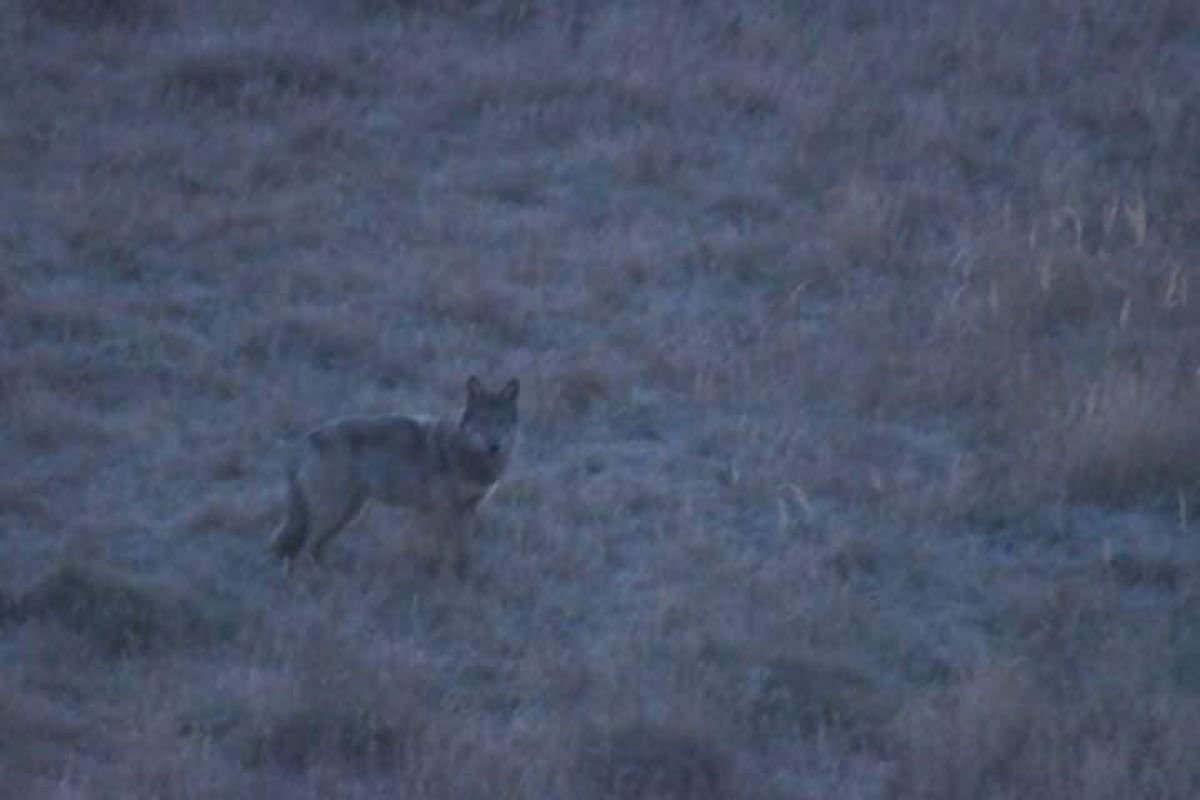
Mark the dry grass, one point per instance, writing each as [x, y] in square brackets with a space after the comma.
[860, 345]
[997, 734]
[82, 14]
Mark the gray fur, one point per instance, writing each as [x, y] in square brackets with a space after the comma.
[440, 469]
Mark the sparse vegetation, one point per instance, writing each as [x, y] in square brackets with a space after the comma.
[860, 354]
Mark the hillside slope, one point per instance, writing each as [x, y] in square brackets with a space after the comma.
[858, 345]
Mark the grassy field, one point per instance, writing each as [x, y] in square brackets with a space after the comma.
[858, 344]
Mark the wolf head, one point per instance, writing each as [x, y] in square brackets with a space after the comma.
[489, 421]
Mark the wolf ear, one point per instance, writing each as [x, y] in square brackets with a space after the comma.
[510, 391]
[474, 388]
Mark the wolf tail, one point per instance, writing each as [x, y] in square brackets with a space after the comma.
[290, 535]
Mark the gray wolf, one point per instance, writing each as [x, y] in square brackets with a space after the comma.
[439, 468]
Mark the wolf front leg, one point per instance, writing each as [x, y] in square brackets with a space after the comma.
[452, 529]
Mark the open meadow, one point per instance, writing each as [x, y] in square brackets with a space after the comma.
[859, 348]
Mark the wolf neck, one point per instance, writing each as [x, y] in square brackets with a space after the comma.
[477, 467]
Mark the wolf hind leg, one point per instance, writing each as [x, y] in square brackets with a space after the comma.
[353, 509]
[291, 534]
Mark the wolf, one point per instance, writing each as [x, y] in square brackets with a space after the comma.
[441, 469]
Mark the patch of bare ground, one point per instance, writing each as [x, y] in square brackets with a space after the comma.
[858, 345]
